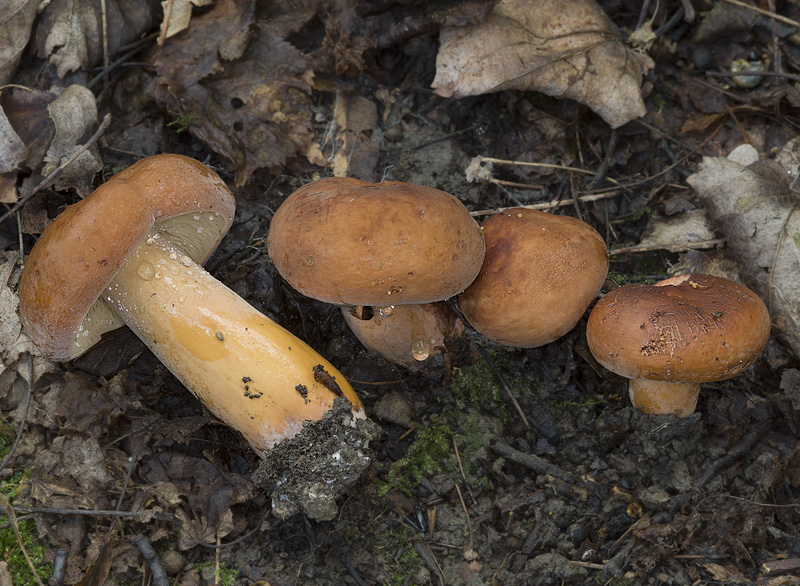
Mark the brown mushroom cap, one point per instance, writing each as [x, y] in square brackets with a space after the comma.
[351, 242]
[539, 275]
[406, 334]
[84, 247]
[690, 328]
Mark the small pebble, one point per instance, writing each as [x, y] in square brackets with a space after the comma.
[173, 561]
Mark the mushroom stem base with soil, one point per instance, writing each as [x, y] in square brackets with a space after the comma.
[249, 371]
[661, 397]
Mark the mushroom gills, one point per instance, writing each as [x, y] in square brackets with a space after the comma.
[243, 366]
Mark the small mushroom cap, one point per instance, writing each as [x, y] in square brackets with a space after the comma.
[84, 247]
[407, 334]
[690, 328]
[539, 275]
[351, 242]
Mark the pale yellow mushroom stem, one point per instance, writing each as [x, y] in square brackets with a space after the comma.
[250, 372]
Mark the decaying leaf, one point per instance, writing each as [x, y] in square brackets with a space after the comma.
[15, 30]
[14, 343]
[356, 154]
[250, 103]
[70, 32]
[754, 204]
[25, 110]
[689, 230]
[74, 115]
[563, 49]
[12, 149]
[180, 13]
[40, 130]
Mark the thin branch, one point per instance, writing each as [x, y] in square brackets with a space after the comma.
[556, 203]
[153, 562]
[88, 513]
[5, 504]
[767, 13]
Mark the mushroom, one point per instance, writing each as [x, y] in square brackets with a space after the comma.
[428, 326]
[669, 337]
[354, 243]
[131, 252]
[539, 275]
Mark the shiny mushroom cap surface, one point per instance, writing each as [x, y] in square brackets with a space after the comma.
[687, 329]
[351, 242]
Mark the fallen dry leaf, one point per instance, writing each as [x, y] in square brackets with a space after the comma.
[563, 49]
[12, 149]
[40, 130]
[70, 32]
[15, 30]
[74, 115]
[26, 111]
[752, 203]
[243, 94]
[678, 233]
[356, 155]
[180, 13]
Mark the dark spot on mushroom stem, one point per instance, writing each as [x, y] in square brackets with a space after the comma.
[303, 392]
[325, 379]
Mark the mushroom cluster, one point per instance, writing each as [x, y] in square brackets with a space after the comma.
[388, 252]
[391, 247]
[131, 253]
[669, 337]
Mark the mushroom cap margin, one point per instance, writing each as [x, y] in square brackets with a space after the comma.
[83, 248]
[691, 328]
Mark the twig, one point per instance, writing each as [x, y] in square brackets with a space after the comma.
[165, 23]
[488, 358]
[111, 67]
[678, 247]
[445, 137]
[88, 513]
[10, 454]
[5, 504]
[602, 170]
[59, 566]
[790, 76]
[551, 204]
[767, 13]
[535, 463]
[219, 546]
[54, 174]
[469, 523]
[739, 450]
[787, 565]
[151, 557]
[460, 467]
[351, 570]
[545, 166]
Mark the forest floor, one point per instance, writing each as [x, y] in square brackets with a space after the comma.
[452, 495]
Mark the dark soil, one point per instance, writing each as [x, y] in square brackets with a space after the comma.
[461, 488]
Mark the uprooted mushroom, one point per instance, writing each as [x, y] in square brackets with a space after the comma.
[131, 253]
